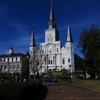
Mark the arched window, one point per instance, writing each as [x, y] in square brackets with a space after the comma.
[49, 38]
[63, 61]
[51, 61]
[68, 60]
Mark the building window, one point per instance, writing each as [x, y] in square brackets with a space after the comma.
[57, 50]
[51, 61]
[18, 58]
[63, 61]
[51, 39]
[14, 67]
[68, 48]
[12, 59]
[1, 68]
[6, 59]
[48, 39]
[5, 68]
[71, 48]
[68, 60]
[18, 67]
[45, 60]
[10, 67]
[2, 58]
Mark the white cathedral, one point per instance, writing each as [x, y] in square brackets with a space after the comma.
[58, 57]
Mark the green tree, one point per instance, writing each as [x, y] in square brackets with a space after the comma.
[89, 44]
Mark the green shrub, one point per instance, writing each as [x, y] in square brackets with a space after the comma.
[19, 90]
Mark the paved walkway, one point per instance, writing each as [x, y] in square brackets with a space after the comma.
[59, 91]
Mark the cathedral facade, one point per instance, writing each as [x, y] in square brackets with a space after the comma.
[57, 56]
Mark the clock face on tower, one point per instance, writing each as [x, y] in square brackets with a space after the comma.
[50, 48]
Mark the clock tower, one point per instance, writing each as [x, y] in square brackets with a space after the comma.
[51, 46]
[51, 34]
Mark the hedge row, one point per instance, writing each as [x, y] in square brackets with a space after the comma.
[21, 91]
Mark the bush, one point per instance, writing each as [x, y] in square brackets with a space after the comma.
[19, 90]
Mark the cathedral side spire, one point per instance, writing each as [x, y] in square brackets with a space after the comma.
[52, 21]
[32, 43]
[69, 35]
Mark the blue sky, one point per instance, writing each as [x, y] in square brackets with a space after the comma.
[17, 17]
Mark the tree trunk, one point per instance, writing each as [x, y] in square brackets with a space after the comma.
[34, 76]
[92, 75]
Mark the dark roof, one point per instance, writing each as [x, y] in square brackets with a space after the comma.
[69, 34]
[52, 21]
[32, 40]
[12, 55]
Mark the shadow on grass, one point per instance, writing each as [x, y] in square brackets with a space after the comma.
[34, 93]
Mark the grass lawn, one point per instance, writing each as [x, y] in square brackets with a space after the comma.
[93, 84]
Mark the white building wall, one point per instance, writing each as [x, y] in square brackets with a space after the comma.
[70, 55]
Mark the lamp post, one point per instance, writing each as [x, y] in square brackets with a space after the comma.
[8, 65]
[70, 74]
[55, 62]
[47, 65]
[27, 72]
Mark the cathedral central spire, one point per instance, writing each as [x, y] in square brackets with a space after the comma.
[52, 21]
